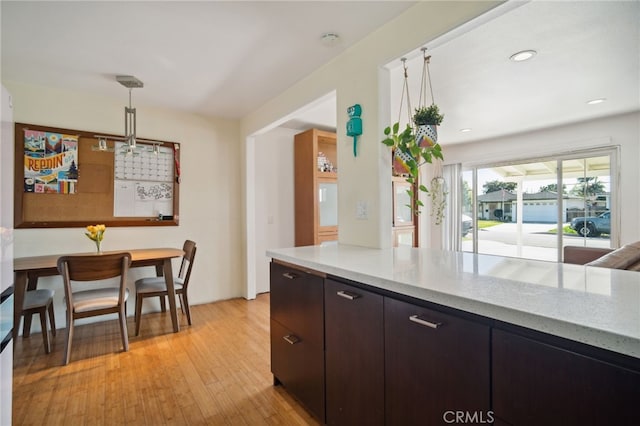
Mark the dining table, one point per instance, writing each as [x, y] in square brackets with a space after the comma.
[28, 269]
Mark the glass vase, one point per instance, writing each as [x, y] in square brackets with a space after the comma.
[98, 246]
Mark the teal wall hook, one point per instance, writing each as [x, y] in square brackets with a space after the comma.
[354, 125]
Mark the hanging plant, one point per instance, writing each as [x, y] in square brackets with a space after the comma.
[438, 196]
[411, 149]
[428, 116]
[411, 155]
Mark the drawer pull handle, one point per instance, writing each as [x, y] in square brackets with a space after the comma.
[418, 320]
[290, 275]
[348, 295]
[291, 339]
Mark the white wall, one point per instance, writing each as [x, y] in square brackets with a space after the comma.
[210, 204]
[622, 130]
[275, 212]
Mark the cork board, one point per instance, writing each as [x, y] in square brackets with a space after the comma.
[91, 199]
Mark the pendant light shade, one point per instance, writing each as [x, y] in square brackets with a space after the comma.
[130, 82]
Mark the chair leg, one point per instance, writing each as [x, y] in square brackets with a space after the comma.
[185, 303]
[67, 350]
[45, 332]
[26, 327]
[181, 300]
[163, 304]
[138, 314]
[123, 328]
[52, 319]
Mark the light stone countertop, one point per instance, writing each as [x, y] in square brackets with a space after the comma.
[596, 306]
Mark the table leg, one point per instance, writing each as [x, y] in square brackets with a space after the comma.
[18, 300]
[168, 276]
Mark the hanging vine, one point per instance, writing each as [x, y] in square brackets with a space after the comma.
[414, 147]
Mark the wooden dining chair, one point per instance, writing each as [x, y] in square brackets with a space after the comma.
[39, 302]
[97, 301]
[157, 286]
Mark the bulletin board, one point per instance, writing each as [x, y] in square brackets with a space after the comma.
[69, 178]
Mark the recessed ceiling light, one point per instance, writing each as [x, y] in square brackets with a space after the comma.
[523, 55]
[330, 39]
[465, 130]
[596, 101]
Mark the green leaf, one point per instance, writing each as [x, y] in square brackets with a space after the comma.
[387, 130]
[420, 203]
[396, 126]
[423, 188]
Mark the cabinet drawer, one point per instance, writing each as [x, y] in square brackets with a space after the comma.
[299, 366]
[434, 363]
[297, 302]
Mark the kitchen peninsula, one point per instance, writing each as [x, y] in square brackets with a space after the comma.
[405, 335]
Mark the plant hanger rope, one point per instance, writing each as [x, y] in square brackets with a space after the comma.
[426, 77]
[405, 90]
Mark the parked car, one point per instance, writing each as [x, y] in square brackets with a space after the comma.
[592, 226]
[467, 225]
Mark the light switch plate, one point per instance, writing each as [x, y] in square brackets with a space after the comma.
[362, 212]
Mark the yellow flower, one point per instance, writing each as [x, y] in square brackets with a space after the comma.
[95, 232]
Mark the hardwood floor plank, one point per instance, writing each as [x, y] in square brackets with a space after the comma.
[215, 372]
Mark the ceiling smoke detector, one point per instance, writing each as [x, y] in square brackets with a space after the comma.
[330, 39]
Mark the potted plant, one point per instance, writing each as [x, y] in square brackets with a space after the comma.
[412, 151]
[427, 120]
[428, 115]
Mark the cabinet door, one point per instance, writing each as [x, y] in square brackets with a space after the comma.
[537, 384]
[299, 366]
[327, 203]
[354, 355]
[297, 302]
[435, 364]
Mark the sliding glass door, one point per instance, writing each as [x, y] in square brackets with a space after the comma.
[531, 209]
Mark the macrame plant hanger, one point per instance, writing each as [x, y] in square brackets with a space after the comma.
[405, 92]
[426, 78]
[398, 168]
[438, 187]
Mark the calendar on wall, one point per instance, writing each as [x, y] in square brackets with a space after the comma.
[143, 181]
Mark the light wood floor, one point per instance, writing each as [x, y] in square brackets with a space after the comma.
[216, 372]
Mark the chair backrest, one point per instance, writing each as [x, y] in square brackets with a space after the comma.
[93, 268]
[189, 249]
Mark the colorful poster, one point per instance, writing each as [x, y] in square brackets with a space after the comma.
[50, 162]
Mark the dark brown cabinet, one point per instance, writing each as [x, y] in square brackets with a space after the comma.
[435, 364]
[355, 355]
[297, 335]
[354, 349]
[539, 384]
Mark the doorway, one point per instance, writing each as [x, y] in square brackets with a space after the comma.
[269, 186]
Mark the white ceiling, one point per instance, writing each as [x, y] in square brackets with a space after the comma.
[227, 58]
[214, 58]
[585, 50]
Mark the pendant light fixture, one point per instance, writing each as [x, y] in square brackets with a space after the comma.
[130, 82]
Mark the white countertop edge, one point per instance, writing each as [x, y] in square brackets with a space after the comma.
[595, 337]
